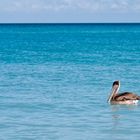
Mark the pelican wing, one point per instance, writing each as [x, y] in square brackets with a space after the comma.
[127, 96]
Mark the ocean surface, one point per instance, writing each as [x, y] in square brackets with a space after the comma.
[55, 80]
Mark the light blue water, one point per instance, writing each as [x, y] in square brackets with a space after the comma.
[55, 80]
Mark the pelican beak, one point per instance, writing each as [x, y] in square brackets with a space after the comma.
[114, 91]
[111, 94]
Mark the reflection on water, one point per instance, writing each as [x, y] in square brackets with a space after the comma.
[122, 120]
[118, 110]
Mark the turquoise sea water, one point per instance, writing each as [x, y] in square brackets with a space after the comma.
[55, 81]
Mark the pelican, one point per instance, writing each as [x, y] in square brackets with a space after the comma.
[122, 98]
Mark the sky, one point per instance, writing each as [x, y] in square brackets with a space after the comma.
[69, 11]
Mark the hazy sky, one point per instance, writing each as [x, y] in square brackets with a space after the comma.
[69, 11]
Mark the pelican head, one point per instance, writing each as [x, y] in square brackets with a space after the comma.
[114, 91]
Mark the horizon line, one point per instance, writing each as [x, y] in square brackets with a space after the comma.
[70, 23]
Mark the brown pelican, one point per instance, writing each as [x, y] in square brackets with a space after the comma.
[122, 98]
